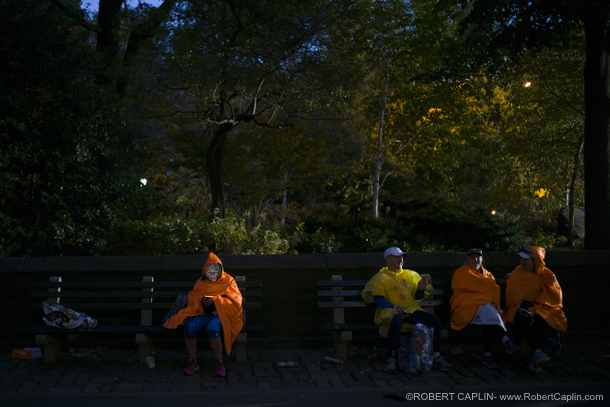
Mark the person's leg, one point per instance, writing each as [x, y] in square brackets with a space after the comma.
[488, 336]
[523, 328]
[394, 334]
[191, 348]
[393, 343]
[213, 329]
[431, 321]
[530, 333]
[193, 326]
[542, 330]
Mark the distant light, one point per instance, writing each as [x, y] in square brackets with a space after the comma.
[527, 84]
[493, 212]
[143, 181]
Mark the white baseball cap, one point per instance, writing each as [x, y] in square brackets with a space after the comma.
[394, 251]
[526, 253]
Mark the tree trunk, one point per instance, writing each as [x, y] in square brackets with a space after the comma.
[108, 40]
[572, 192]
[214, 158]
[380, 147]
[597, 131]
[287, 176]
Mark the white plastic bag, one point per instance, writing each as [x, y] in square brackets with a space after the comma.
[58, 316]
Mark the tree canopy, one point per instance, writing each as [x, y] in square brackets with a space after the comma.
[311, 126]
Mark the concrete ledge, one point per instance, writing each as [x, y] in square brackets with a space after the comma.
[11, 263]
[329, 262]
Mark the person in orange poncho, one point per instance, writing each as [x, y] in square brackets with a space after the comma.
[534, 303]
[476, 301]
[214, 304]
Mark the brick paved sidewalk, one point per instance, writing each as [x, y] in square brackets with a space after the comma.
[120, 372]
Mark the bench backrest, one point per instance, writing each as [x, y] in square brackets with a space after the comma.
[145, 296]
[335, 291]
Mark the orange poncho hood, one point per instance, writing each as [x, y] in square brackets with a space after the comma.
[227, 300]
[540, 288]
[471, 289]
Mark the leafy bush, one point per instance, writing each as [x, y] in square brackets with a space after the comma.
[170, 235]
[317, 242]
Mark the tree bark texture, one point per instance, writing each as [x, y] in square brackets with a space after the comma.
[214, 158]
[597, 130]
[572, 192]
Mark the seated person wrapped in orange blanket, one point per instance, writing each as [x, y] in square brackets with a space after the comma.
[476, 301]
[534, 303]
[214, 304]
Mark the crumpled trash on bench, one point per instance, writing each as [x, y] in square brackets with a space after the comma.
[61, 317]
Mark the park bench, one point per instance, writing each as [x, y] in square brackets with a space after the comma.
[125, 307]
[338, 294]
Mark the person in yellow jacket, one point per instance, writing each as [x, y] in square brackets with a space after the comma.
[397, 293]
[214, 305]
[476, 301]
[534, 303]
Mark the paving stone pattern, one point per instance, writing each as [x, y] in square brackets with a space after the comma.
[120, 371]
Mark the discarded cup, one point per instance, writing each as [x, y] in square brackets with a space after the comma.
[456, 350]
[150, 361]
[332, 360]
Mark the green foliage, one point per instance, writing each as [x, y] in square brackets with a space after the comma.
[415, 226]
[171, 235]
[319, 241]
[57, 130]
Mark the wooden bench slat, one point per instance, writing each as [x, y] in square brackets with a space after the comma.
[78, 306]
[350, 327]
[342, 304]
[131, 284]
[123, 294]
[44, 329]
[431, 303]
[362, 283]
[347, 293]
[342, 283]
[338, 293]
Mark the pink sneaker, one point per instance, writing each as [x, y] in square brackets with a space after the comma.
[489, 362]
[220, 369]
[510, 347]
[191, 368]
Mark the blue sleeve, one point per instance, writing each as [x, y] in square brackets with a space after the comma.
[382, 302]
[419, 294]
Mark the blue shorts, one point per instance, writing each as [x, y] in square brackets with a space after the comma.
[196, 324]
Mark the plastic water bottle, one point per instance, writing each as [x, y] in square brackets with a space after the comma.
[332, 360]
[287, 364]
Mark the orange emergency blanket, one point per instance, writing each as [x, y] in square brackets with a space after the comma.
[540, 288]
[227, 299]
[471, 289]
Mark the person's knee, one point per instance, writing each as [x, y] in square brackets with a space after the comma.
[396, 320]
[435, 321]
[214, 328]
[213, 334]
[190, 332]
